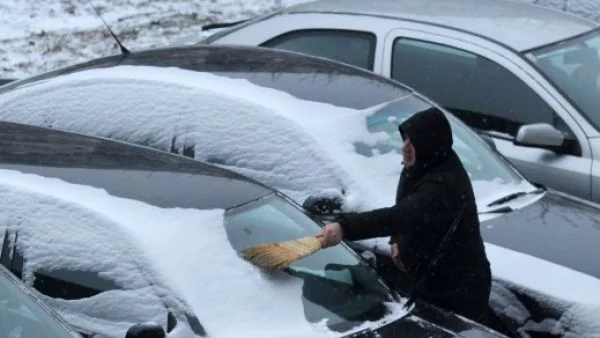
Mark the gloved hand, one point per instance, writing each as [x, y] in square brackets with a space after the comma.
[331, 235]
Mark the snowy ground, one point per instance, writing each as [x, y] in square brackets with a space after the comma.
[41, 35]
[37, 36]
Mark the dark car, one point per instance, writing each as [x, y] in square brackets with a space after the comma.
[148, 98]
[336, 284]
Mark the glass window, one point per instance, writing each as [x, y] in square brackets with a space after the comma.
[480, 162]
[65, 284]
[479, 91]
[352, 47]
[22, 316]
[337, 285]
[574, 67]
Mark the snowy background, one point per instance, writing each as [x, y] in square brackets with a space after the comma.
[38, 36]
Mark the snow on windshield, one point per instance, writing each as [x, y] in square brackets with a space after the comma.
[300, 147]
[80, 227]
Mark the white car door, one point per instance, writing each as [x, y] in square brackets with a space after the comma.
[495, 92]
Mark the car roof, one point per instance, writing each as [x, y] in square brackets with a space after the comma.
[516, 24]
[123, 169]
[301, 75]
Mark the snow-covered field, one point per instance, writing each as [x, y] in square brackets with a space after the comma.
[41, 35]
[38, 36]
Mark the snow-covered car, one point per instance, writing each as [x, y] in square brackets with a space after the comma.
[307, 126]
[504, 67]
[110, 234]
[23, 314]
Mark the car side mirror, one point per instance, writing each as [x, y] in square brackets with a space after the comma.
[324, 203]
[146, 330]
[540, 135]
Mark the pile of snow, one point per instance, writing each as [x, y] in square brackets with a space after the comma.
[37, 36]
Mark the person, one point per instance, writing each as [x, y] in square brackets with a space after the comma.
[434, 193]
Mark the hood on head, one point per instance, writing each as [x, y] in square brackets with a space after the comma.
[431, 136]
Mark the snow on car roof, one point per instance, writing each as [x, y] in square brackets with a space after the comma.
[156, 106]
[295, 145]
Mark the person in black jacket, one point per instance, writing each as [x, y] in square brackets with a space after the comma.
[434, 193]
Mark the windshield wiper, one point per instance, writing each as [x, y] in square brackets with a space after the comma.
[514, 196]
[501, 210]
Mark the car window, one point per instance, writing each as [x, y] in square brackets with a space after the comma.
[22, 316]
[476, 89]
[351, 47]
[479, 161]
[574, 67]
[65, 284]
[339, 290]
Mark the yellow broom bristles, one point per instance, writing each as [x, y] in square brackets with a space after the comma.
[283, 254]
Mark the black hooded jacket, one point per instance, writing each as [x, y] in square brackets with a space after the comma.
[429, 197]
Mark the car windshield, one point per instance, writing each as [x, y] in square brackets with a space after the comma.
[338, 286]
[482, 164]
[22, 317]
[574, 66]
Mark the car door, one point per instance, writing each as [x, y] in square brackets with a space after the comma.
[494, 95]
[352, 39]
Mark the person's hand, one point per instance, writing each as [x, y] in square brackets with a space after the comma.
[331, 235]
[396, 257]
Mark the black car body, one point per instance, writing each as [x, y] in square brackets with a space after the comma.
[168, 180]
[525, 222]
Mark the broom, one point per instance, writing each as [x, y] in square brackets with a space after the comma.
[281, 255]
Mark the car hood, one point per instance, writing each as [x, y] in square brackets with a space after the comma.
[414, 326]
[557, 227]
